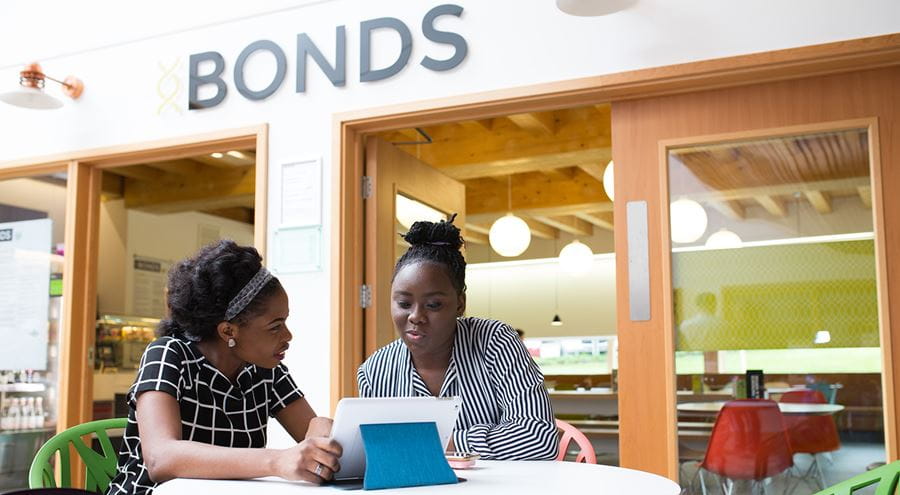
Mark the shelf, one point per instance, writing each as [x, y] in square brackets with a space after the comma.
[28, 430]
[22, 387]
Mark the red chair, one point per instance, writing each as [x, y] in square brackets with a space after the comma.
[811, 434]
[748, 442]
[569, 433]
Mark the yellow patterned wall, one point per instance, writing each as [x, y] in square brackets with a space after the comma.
[776, 297]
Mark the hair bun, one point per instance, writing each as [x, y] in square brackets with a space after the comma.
[441, 234]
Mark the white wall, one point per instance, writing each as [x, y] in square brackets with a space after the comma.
[523, 294]
[511, 43]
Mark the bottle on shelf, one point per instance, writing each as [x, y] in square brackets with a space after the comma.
[4, 415]
[38, 413]
[14, 414]
[26, 412]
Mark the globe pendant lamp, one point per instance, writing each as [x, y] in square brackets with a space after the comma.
[31, 93]
[723, 239]
[609, 181]
[576, 258]
[509, 235]
[687, 220]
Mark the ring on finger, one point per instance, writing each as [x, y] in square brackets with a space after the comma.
[318, 470]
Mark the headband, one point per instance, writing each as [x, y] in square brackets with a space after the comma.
[246, 294]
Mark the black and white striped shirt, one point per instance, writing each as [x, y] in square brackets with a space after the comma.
[506, 411]
[213, 409]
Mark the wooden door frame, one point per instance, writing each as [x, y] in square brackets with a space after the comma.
[350, 129]
[883, 300]
[84, 169]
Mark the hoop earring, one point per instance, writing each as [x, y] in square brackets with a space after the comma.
[231, 342]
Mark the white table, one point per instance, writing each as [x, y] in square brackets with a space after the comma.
[487, 478]
[786, 407]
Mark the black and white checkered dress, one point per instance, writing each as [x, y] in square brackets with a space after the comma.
[506, 411]
[213, 409]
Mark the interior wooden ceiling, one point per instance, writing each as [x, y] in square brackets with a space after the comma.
[223, 186]
[771, 172]
[547, 167]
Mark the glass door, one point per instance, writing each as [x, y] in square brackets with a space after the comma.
[32, 226]
[776, 311]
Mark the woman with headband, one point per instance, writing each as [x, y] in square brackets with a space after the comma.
[207, 386]
[506, 411]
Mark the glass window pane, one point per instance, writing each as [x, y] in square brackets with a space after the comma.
[773, 271]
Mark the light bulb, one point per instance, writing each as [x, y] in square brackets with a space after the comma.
[609, 181]
[576, 258]
[688, 220]
[723, 239]
[509, 236]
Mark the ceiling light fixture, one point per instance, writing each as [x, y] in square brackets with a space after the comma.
[31, 93]
[609, 181]
[723, 239]
[216, 155]
[509, 235]
[687, 220]
[576, 258]
[591, 8]
[236, 154]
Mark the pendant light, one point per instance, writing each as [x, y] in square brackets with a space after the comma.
[31, 93]
[592, 8]
[609, 181]
[509, 235]
[556, 321]
[576, 258]
[687, 220]
[723, 239]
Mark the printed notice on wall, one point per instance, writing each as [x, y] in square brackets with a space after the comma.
[24, 293]
[301, 193]
[150, 275]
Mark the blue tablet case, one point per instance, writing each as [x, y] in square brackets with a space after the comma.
[404, 454]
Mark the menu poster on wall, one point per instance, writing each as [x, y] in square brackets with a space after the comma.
[150, 275]
[24, 293]
[301, 193]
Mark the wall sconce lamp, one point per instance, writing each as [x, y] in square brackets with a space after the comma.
[31, 93]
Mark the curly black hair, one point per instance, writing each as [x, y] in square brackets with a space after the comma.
[436, 242]
[201, 287]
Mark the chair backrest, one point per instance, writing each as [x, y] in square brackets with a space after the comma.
[100, 467]
[570, 433]
[748, 441]
[810, 433]
[828, 391]
[886, 476]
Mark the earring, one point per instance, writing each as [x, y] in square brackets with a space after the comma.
[231, 342]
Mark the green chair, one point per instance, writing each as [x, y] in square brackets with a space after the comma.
[886, 476]
[100, 468]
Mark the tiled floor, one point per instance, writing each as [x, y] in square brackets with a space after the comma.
[852, 459]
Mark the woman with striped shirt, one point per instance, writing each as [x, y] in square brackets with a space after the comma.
[506, 411]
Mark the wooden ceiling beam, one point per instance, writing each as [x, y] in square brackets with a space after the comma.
[238, 214]
[865, 195]
[569, 223]
[210, 190]
[604, 220]
[561, 173]
[533, 191]
[541, 122]
[731, 208]
[774, 205]
[541, 230]
[821, 201]
[526, 164]
[182, 166]
[481, 229]
[571, 209]
[112, 186]
[595, 170]
[227, 161]
[138, 172]
[778, 190]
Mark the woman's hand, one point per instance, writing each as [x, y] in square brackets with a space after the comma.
[319, 427]
[314, 460]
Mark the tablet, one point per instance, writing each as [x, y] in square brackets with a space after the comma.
[353, 412]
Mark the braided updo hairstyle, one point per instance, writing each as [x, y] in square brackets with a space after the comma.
[201, 287]
[436, 242]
